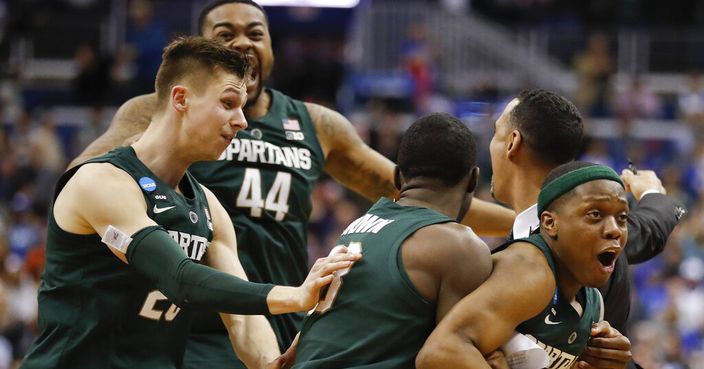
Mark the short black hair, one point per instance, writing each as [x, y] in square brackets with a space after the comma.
[216, 3]
[437, 146]
[550, 124]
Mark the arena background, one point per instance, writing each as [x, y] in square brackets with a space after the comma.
[632, 66]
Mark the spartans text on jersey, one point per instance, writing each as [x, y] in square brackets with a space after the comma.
[253, 151]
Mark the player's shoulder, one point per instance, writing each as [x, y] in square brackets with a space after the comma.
[451, 240]
[100, 176]
[524, 256]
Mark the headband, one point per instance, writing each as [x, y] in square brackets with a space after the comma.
[566, 182]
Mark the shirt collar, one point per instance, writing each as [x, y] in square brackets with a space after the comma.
[526, 222]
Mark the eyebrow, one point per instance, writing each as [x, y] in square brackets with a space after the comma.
[604, 198]
[230, 25]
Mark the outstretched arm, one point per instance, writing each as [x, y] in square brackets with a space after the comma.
[348, 159]
[86, 208]
[131, 119]
[484, 320]
[653, 219]
[356, 166]
[489, 219]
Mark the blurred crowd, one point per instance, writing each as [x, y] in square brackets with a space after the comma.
[667, 327]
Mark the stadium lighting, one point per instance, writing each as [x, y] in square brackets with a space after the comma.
[311, 3]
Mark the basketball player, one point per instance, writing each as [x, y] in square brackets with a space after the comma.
[545, 285]
[127, 232]
[265, 177]
[540, 130]
[383, 309]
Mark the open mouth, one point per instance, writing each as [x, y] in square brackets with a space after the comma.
[607, 258]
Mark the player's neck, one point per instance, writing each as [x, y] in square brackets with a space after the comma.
[160, 153]
[567, 284]
[443, 200]
[260, 107]
[526, 187]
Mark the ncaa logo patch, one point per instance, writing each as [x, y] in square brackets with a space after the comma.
[193, 216]
[572, 337]
[147, 184]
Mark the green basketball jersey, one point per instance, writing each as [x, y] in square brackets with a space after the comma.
[96, 311]
[558, 329]
[264, 179]
[377, 319]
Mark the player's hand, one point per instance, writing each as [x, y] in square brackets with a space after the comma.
[321, 274]
[607, 348]
[497, 360]
[641, 182]
[288, 358]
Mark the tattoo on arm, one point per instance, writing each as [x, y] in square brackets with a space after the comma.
[130, 120]
[348, 159]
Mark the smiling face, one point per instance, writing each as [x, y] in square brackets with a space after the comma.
[498, 151]
[243, 27]
[214, 113]
[588, 230]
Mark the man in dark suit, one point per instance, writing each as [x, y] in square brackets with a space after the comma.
[538, 131]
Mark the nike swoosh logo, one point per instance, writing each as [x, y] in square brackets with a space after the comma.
[550, 322]
[161, 210]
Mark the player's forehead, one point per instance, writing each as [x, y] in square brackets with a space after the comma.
[600, 190]
[234, 15]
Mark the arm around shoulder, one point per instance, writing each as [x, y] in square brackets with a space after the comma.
[348, 159]
[131, 119]
[485, 319]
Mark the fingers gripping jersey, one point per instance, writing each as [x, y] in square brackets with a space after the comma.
[97, 312]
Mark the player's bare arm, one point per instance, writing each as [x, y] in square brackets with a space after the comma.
[348, 159]
[84, 207]
[432, 257]
[356, 166]
[252, 337]
[485, 319]
[281, 299]
[489, 219]
[130, 120]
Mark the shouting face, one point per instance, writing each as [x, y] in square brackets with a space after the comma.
[588, 226]
[244, 28]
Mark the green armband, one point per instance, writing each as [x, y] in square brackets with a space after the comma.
[156, 255]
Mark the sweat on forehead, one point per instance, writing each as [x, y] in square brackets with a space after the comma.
[568, 176]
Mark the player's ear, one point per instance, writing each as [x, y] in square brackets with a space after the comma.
[398, 178]
[178, 98]
[473, 180]
[514, 142]
[549, 223]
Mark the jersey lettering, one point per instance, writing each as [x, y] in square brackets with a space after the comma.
[558, 359]
[250, 195]
[193, 245]
[369, 223]
[150, 311]
[257, 151]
